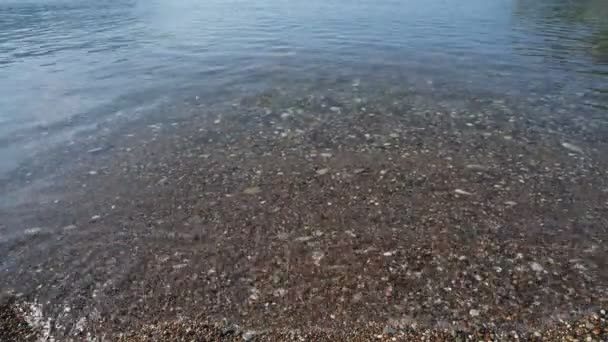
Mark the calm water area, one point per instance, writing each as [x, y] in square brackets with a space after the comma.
[67, 65]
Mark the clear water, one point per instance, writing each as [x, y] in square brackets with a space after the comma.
[67, 64]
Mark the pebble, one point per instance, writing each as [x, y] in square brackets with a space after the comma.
[69, 227]
[474, 312]
[511, 203]
[317, 256]
[95, 218]
[326, 155]
[536, 267]
[350, 233]
[335, 109]
[255, 294]
[96, 150]
[252, 190]
[280, 292]
[303, 238]
[572, 148]
[32, 231]
[388, 330]
[322, 172]
[476, 167]
[249, 335]
[462, 192]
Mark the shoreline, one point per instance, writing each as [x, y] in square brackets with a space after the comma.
[23, 325]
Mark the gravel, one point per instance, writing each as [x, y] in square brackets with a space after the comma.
[422, 218]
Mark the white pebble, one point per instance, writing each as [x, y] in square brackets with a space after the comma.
[252, 190]
[280, 292]
[32, 231]
[536, 267]
[572, 148]
[317, 256]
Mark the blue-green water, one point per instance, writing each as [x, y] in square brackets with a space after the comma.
[66, 65]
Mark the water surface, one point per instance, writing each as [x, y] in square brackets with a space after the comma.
[66, 65]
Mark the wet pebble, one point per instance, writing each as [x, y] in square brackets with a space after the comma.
[249, 335]
[280, 292]
[462, 192]
[252, 190]
[32, 231]
[572, 148]
[317, 256]
[388, 330]
[476, 167]
[97, 150]
[303, 238]
[536, 267]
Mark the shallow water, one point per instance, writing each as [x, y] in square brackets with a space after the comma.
[67, 65]
[351, 163]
